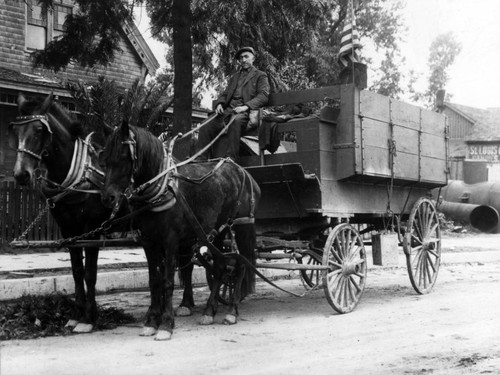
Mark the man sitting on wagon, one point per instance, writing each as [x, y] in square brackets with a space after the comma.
[247, 91]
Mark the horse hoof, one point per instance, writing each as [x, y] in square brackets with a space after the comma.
[148, 331]
[163, 335]
[72, 323]
[206, 320]
[183, 311]
[83, 328]
[230, 319]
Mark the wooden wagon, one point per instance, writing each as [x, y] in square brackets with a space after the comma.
[366, 164]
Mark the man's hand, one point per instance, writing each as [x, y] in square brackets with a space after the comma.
[219, 110]
[240, 109]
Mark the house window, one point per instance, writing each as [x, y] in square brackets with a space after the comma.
[43, 26]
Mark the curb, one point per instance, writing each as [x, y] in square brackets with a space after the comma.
[107, 282]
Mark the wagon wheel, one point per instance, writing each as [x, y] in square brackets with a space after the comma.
[311, 278]
[422, 246]
[345, 257]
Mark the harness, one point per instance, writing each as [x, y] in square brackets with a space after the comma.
[82, 169]
[24, 120]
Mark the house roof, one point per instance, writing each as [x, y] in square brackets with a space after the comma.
[140, 46]
[16, 80]
[486, 122]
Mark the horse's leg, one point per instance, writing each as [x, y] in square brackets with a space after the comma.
[89, 320]
[185, 275]
[239, 274]
[78, 274]
[245, 237]
[154, 312]
[166, 327]
[216, 282]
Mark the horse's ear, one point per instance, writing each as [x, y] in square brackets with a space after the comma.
[47, 102]
[21, 99]
[124, 128]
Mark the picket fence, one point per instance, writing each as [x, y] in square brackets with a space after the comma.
[20, 206]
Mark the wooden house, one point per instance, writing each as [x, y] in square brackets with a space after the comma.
[25, 27]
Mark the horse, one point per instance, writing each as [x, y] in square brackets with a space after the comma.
[45, 133]
[175, 205]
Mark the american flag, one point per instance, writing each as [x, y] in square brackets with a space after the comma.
[349, 44]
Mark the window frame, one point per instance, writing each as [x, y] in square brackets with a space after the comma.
[48, 22]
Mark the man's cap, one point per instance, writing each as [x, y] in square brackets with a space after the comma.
[244, 49]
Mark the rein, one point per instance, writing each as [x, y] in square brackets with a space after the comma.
[132, 144]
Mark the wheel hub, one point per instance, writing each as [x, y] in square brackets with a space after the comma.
[350, 268]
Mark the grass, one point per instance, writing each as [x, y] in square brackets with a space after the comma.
[43, 316]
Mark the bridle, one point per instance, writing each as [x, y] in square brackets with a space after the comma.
[25, 120]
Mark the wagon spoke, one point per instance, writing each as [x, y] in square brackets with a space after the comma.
[417, 259]
[335, 264]
[434, 227]
[354, 254]
[347, 293]
[351, 291]
[353, 282]
[433, 252]
[338, 289]
[431, 264]
[417, 249]
[334, 279]
[338, 254]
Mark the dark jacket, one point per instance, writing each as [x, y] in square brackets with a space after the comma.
[255, 91]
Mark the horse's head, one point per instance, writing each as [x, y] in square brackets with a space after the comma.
[43, 131]
[118, 160]
[29, 134]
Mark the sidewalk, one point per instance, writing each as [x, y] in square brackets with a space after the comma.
[126, 269]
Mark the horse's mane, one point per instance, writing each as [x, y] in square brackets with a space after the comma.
[65, 120]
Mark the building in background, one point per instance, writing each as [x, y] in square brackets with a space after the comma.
[474, 143]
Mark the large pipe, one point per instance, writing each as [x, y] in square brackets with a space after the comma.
[482, 217]
[483, 196]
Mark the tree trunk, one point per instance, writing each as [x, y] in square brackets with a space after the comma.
[183, 74]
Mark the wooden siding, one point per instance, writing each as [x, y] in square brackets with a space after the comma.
[126, 68]
[459, 127]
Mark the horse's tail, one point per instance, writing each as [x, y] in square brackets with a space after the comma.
[245, 237]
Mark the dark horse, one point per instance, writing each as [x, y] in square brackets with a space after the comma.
[175, 205]
[46, 133]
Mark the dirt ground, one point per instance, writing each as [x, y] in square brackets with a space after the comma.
[453, 330]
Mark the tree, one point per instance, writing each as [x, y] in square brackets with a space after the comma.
[389, 84]
[299, 36]
[442, 54]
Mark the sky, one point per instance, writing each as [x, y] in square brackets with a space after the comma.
[475, 75]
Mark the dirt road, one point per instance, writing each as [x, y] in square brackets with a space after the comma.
[453, 330]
